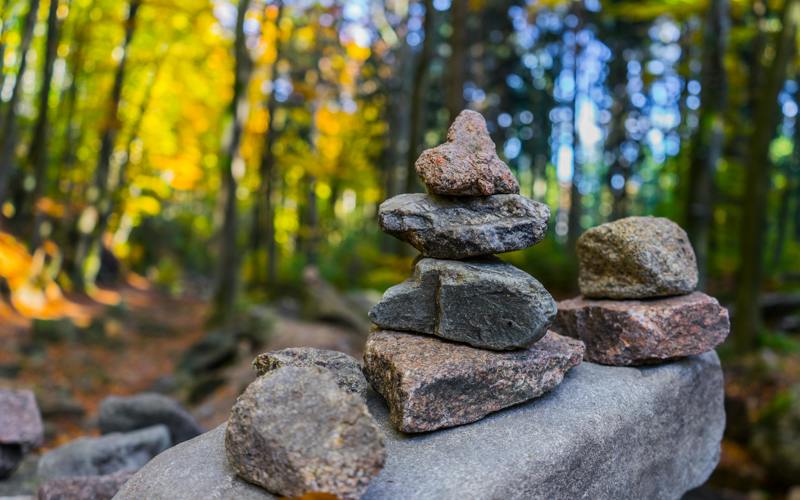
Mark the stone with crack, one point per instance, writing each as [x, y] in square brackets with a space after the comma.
[295, 431]
[453, 228]
[637, 332]
[431, 384]
[467, 164]
[485, 302]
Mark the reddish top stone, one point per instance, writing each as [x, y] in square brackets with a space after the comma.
[20, 420]
[467, 164]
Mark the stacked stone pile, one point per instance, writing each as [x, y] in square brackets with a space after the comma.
[467, 334]
[637, 277]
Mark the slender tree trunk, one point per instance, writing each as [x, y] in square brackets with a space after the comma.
[227, 270]
[707, 143]
[264, 206]
[757, 181]
[458, 57]
[40, 146]
[98, 197]
[617, 176]
[3, 25]
[8, 140]
[417, 100]
[576, 199]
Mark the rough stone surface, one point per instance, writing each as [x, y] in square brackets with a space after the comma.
[485, 303]
[634, 332]
[467, 164]
[83, 487]
[118, 452]
[431, 384]
[636, 258]
[345, 369]
[294, 431]
[123, 414]
[605, 432]
[457, 228]
[20, 428]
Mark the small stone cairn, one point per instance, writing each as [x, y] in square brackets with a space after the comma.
[467, 334]
[637, 277]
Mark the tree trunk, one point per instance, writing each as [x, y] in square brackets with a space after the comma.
[757, 181]
[264, 206]
[707, 143]
[227, 270]
[9, 126]
[98, 198]
[457, 65]
[575, 198]
[416, 125]
[618, 78]
[40, 146]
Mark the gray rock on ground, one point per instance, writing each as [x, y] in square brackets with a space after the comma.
[83, 487]
[346, 370]
[123, 414]
[21, 428]
[605, 432]
[636, 258]
[635, 332]
[458, 228]
[294, 431]
[431, 384]
[467, 164]
[98, 456]
[485, 302]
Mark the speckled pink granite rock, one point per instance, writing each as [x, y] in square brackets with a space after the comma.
[636, 332]
[431, 384]
[467, 164]
[20, 428]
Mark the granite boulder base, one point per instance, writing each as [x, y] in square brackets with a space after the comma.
[467, 164]
[20, 428]
[458, 228]
[431, 384]
[294, 431]
[634, 332]
[485, 303]
[636, 258]
[345, 369]
[605, 432]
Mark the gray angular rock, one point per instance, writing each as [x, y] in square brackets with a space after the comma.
[467, 164]
[458, 228]
[83, 487]
[635, 332]
[605, 432]
[294, 431]
[20, 428]
[636, 258]
[346, 370]
[123, 414]
[431, 384]
[485, 302]
[99, 456]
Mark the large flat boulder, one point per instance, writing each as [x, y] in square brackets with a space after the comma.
[605, 432]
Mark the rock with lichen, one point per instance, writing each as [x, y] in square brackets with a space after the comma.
[295, 431]
[636, 258]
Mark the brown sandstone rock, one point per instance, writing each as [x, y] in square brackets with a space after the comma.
[635, 332]
[467, 164]
[431, 384]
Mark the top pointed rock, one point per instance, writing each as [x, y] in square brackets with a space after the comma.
[467, 164]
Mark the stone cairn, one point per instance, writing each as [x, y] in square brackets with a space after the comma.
[637, 277]
[467, 334]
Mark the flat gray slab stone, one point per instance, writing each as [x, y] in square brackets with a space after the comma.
[605, 432]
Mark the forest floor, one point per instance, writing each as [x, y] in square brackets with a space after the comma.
[137, 351]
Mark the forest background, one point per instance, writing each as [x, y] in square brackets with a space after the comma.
[224, 149]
